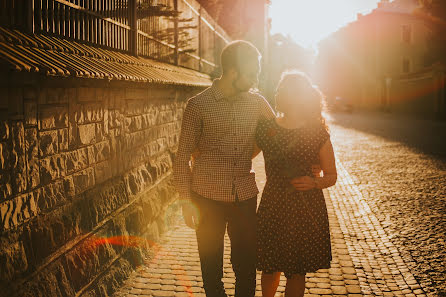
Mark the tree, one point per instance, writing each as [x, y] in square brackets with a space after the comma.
[434, 14]
[284, 54]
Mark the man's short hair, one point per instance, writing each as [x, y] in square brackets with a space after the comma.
[236, 53]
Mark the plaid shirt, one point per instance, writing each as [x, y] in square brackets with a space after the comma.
[223, 132]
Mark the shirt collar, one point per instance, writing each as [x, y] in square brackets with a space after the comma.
[218, 95]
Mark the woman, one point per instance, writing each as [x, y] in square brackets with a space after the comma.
[293, 231]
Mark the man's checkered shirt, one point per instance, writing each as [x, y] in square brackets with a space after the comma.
[223, 131]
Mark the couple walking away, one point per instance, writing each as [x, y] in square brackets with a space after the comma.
[223, 128]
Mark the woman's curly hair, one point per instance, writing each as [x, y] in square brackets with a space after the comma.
[297, 87]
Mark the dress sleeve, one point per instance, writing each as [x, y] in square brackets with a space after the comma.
[322, 137]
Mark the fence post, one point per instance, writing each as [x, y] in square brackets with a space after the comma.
[199, 40]
[29, 16]
[175, 7]
[133, 22]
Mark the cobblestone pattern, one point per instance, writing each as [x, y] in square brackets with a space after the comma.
[398, 166]
[365, 262]
[81, 163]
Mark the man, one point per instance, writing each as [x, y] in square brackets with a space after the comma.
[220, 123]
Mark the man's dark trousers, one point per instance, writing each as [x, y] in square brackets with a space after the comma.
[240, 219]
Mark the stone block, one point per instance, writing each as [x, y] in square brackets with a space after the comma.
[105, 200]
[86, 94]
[73, 135]
[134, 182]
[134, 221]
[100, 132]
[32, 157]
[19, 177]
[63, 139]
[69, 187]
[77, 160]
[41, 96]
[116, 165]
[15, 211]
[52, 167]
[136, 94]
[4, 130]
[77, 112]
[145, 121]
[15, 103]
[50, 281]
[114, 119]
[102, 150]
[4, 156]
[55, 95]
[51, 117]
[30, 110]
[5, 185]
[135, 123]
[87, 133]
[91, 151]
[103, 171]
[133, 140]
[14, 261]
[127, 123]
[49, 143]
[134, 107]
[93, 112]
[106, 122]
[42, 241]
[83, 180]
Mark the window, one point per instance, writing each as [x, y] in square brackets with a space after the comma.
[406, 65]
[406, 33]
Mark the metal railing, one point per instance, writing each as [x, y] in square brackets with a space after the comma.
[179, 32]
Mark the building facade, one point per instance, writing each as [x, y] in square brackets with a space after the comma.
[370, 60]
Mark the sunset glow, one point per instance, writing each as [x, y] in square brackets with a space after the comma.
[307, 22]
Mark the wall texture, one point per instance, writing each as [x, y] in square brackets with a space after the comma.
[85, 181]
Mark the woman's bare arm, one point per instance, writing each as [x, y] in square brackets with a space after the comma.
[328, 165]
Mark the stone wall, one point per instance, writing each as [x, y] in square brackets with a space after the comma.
[85, 181]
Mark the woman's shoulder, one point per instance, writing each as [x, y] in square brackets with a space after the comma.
[265, 123]
[266, 128]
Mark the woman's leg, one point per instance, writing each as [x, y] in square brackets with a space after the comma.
[295, 286]
[270, 282]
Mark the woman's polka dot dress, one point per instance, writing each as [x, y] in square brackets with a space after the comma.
[293, 232]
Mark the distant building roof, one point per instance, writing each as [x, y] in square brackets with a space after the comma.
[60, 57]
[398, 6]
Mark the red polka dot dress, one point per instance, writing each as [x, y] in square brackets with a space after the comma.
[293, 232]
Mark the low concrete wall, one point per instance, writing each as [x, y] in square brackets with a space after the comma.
[85, 180]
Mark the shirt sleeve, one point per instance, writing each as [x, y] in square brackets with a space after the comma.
[189, 138]
[266, 111]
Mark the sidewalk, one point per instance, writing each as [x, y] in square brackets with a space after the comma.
[365, 262]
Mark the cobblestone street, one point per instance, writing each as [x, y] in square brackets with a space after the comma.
[387, 218]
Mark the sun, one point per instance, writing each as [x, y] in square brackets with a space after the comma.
[309, 21]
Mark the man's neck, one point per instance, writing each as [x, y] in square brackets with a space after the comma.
[226, 88]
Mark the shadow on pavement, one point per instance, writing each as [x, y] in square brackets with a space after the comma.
[425, 136]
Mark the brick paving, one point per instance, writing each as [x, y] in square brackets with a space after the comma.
[367, 260]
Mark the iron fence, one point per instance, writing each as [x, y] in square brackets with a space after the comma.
[179, 32]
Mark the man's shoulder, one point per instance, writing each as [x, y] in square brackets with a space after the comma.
[256, 95]
[201, 97]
